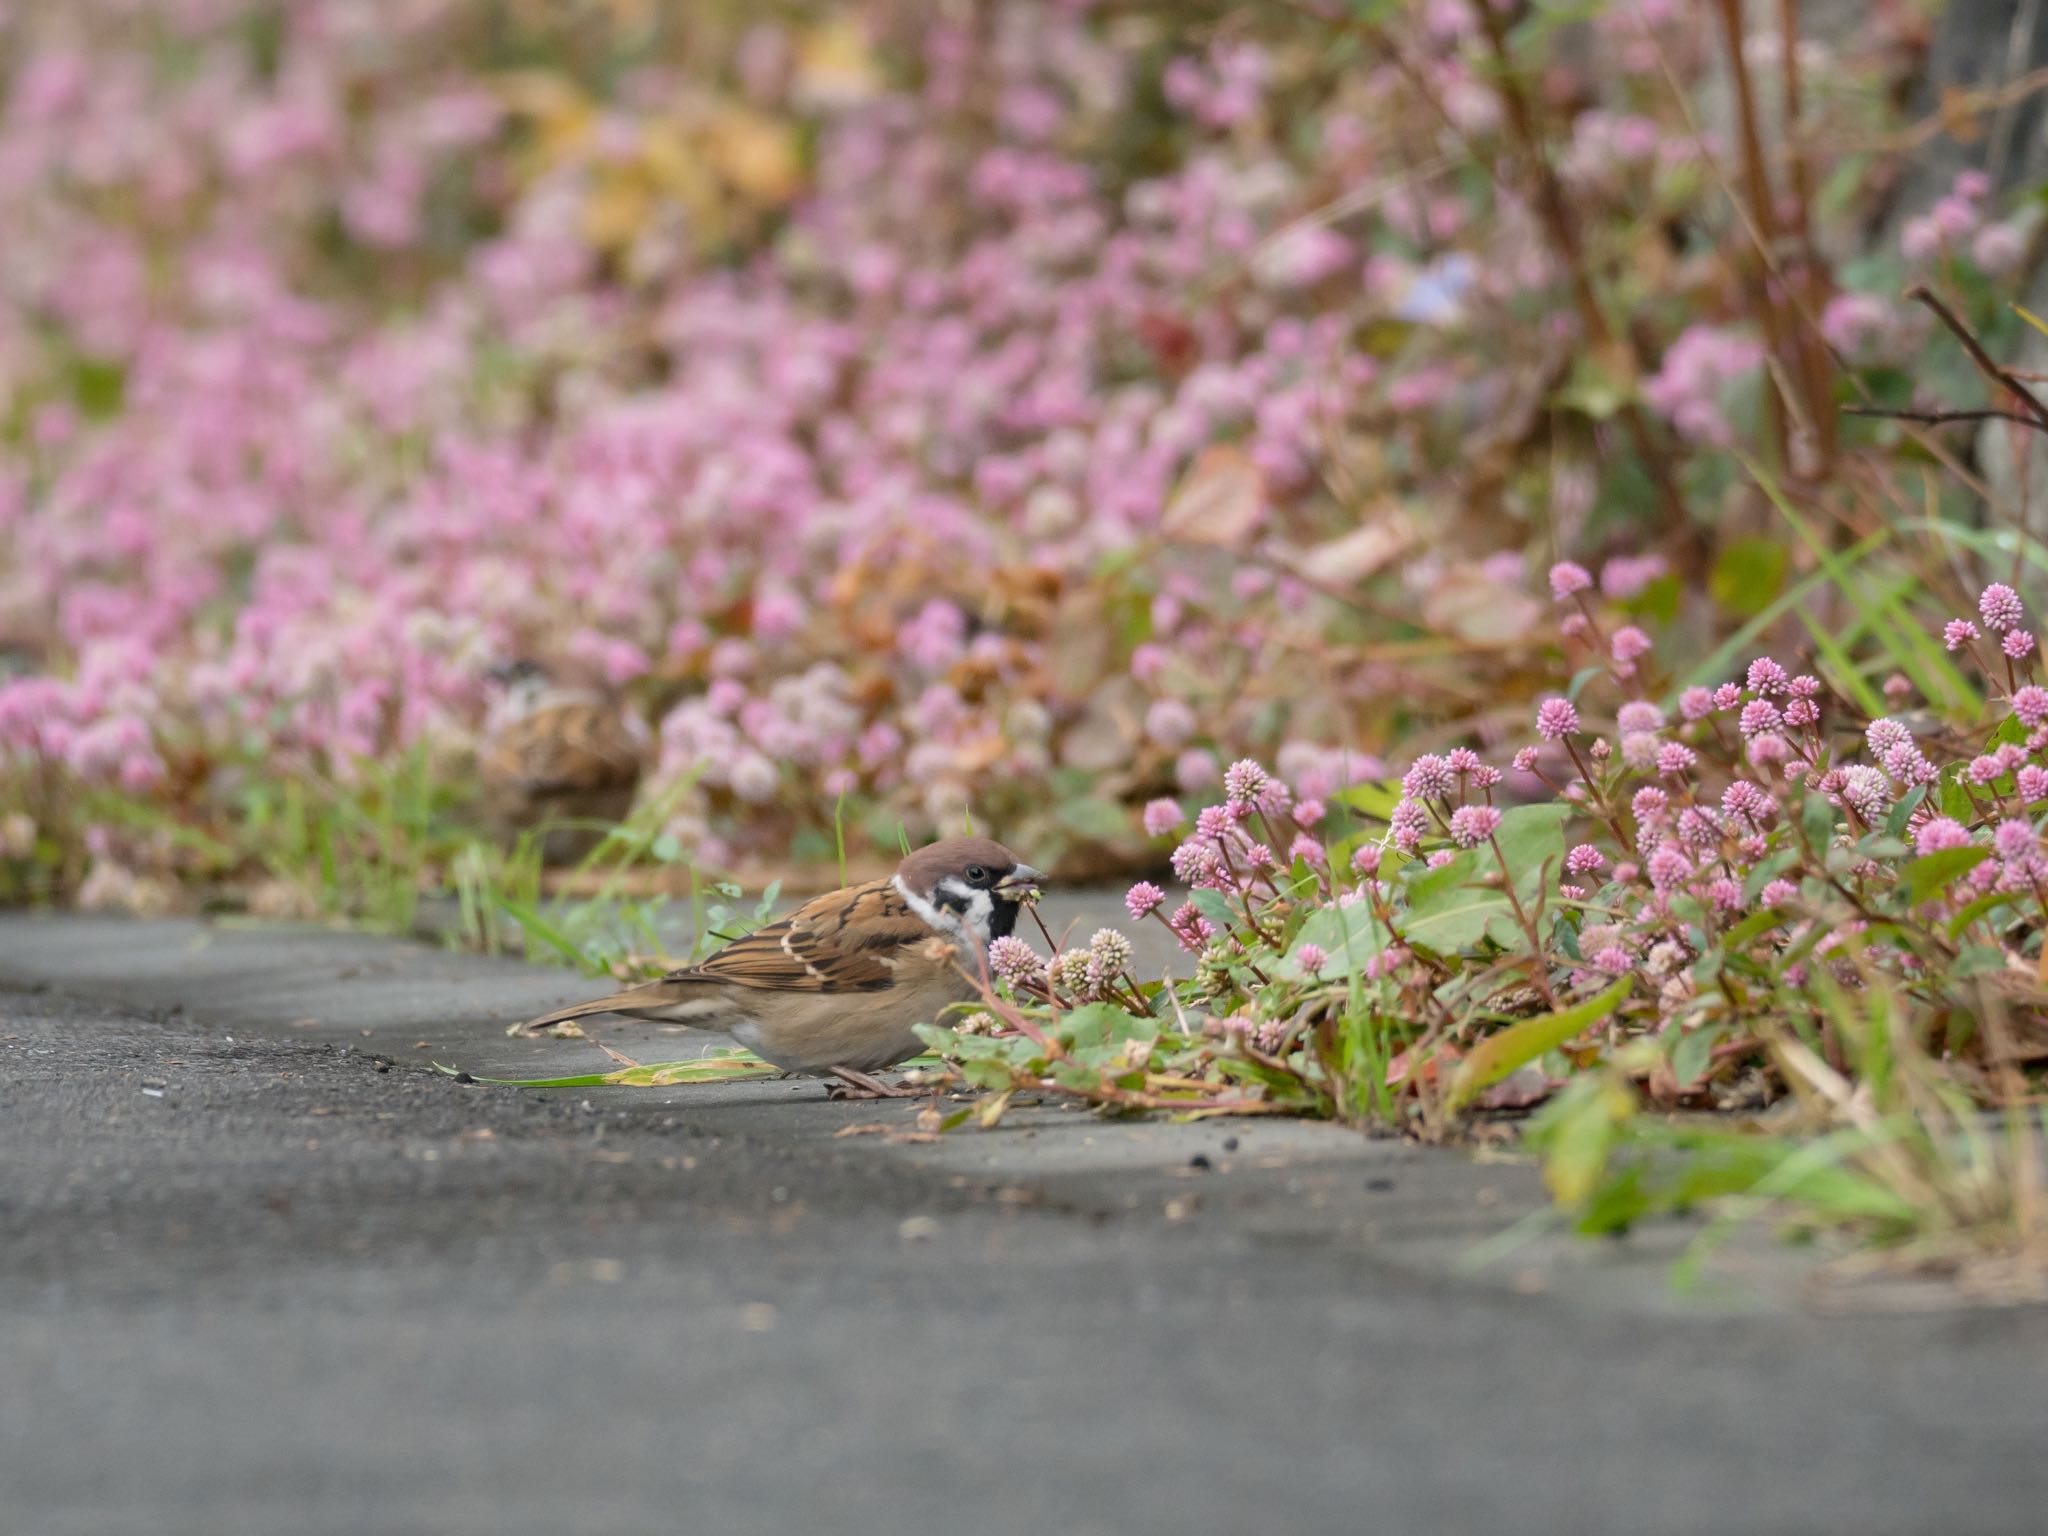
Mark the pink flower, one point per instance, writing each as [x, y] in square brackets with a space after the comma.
[1769, 749]
[1162, 816]
[1308, 813]
[1366, 860]
[1473, 824]
[2000, 607]
[1014, 960]
[1767, 677]
[1409, 821]
[2016, 644]
[1958, 633]
[1639, 715]
[1629, 644]
[1940, 833]
[1625, 576]
[1429, 777]
[1556, 718]
[1675, 759]
[1311, 959]
[1192, 929]
[2014, 839]
[1759, 716]
[1143, 899]
[1306, 848]
[1585, 859]
[1746, 800]
[1197, 864]
[1696, 703]
[1778, 892]
[1997, 248]
[1669, 867]
[1568, 579]
[2031, 705]
[1244, 781]
[2032, 783]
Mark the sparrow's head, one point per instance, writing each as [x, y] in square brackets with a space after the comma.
[967, 886]
[518, 669]
[519, 682]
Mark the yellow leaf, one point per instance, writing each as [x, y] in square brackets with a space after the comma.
[835, 64]
[616, 210]
[1220, 502]
[1468, 603]
[755, 154]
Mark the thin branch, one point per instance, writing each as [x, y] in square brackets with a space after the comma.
[1987, 365]
[1940, 418]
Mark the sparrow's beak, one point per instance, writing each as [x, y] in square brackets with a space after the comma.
[1022, 878]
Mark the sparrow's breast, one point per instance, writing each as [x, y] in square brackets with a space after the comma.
[866, 1031]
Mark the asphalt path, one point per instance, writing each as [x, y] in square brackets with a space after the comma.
[263, 1270]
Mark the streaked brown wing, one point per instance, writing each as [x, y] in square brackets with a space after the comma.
[569, 748]
[844, 942]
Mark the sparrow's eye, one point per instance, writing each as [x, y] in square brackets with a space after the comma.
[977, 874]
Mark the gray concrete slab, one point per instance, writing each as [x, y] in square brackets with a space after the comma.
[262, 1270]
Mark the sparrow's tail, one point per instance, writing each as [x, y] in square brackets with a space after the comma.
[652, 1000]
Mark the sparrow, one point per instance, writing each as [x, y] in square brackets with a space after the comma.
[553, 753]
[834, 988]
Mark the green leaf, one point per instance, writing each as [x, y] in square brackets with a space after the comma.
[1976, 960]
[1982, 906]
[1930, 874]
[1577, 1133]
[1817, 821]
[1749, 575]
[1374, 800]
[1450, 909]
[1720, 664]
[1097, 1024]
[1695, 1053]
[1212, 906]
[1500, 1054]
[1349, 936]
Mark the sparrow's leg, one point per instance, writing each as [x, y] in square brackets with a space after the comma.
[858, 1085]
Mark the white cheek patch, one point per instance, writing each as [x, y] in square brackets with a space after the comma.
[981, 908]
[939, 919]
[971, 917]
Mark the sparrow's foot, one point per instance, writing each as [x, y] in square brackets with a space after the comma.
[858, 1085]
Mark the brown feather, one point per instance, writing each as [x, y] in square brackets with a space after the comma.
[841, 942]
[661, 999]
[578, 760]
[841, 981]
[578, 746]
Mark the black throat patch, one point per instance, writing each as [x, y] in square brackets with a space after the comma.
[1002, 918]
